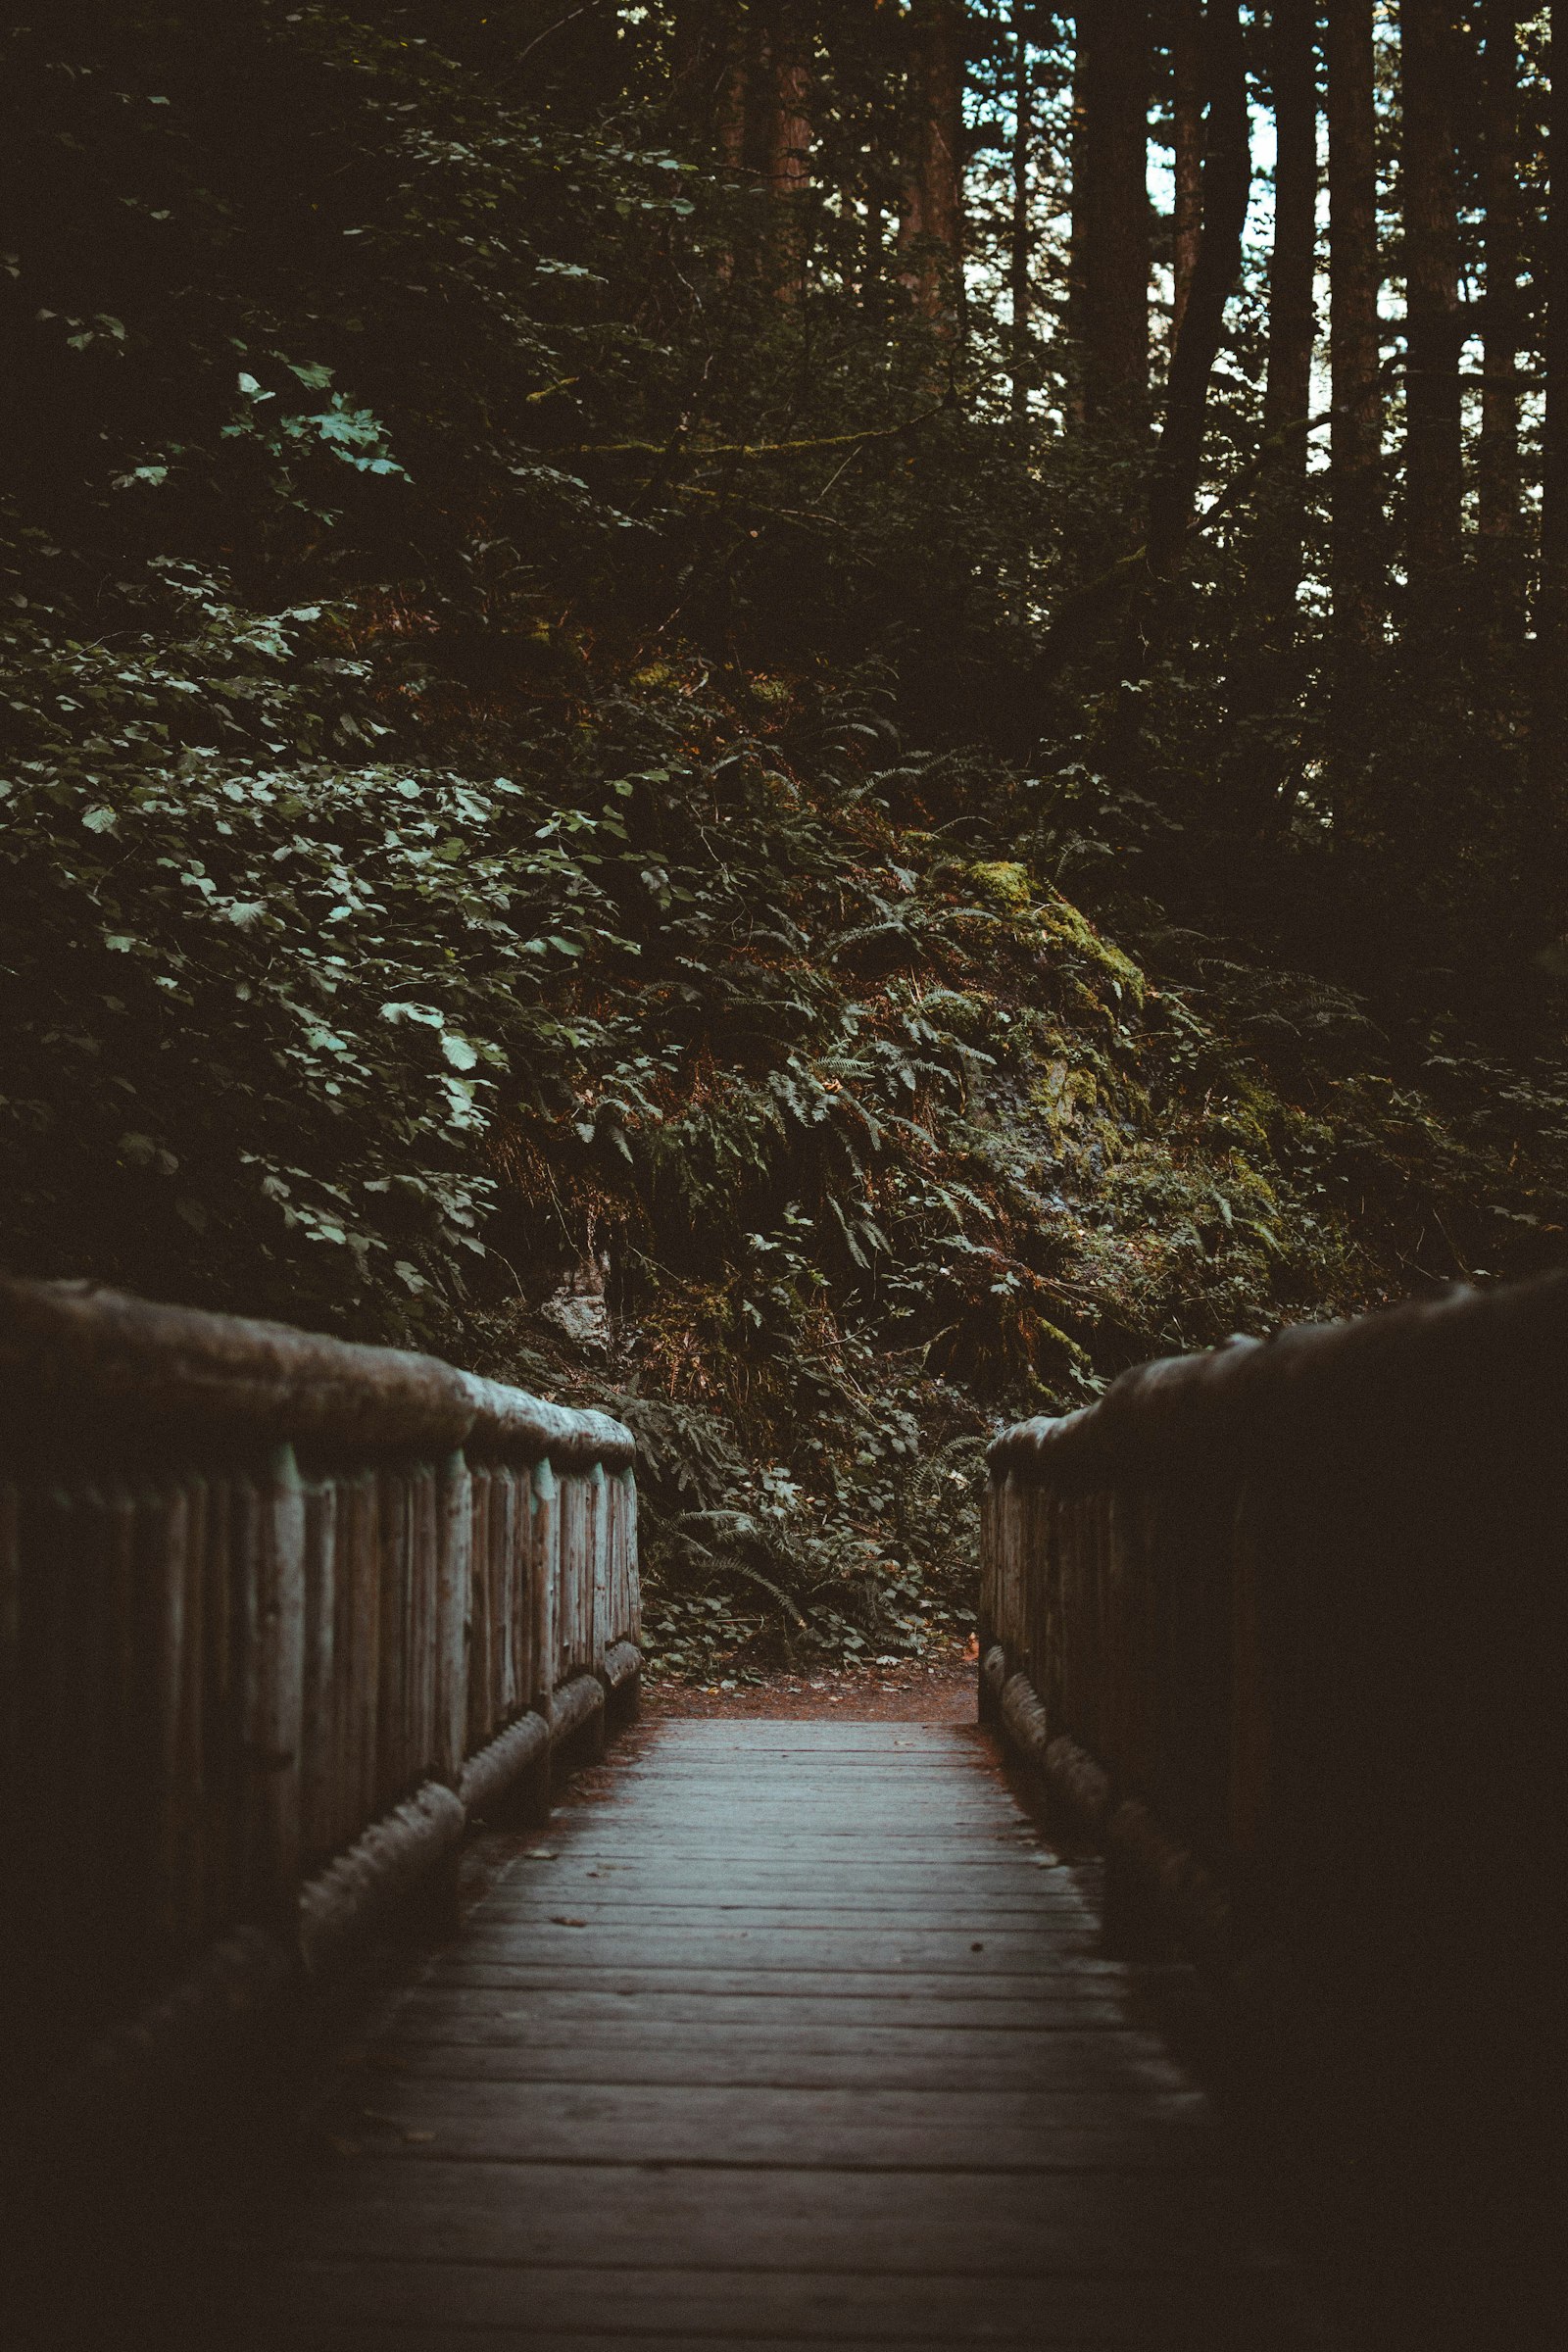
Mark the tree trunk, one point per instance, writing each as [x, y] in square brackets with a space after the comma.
[1292, 316]
[696, 57]
[1187, 140]
[1434, 482]
[729, 105]
[1551, 609]
[788, 157]
[1019, 256]
[1110, 211]
[1502, 547]
[1357, 553]
[931, 234]
[1078, 169]
[1267, 676]
[1226, 185]
[732, 102]
[877, 54]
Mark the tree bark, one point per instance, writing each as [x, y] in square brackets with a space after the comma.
[1020, 247]
[1356, 563]
[788, 157]
[698, 33]
[1226, 185]
[1110, 211]
[1078, 169]
[1434, 481]
[1551, 607]
[1187, 141]
[1291, 315]
[1502, 547]
[931, 232]
[730, 103]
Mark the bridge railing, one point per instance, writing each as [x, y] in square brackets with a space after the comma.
[278, 1615]
[1282, 1628]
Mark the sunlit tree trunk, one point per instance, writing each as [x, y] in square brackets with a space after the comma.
[1434, 484]
[1187, 140]
[1356, 555]
[1110, 210]
[1226, 183]
[931, 232]
[1502, 547]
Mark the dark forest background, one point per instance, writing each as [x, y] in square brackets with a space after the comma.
[694, 708]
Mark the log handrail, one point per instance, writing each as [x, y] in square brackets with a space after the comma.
[1281, 1628]
[279, 1615]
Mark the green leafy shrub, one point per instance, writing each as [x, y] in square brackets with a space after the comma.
[509, 779]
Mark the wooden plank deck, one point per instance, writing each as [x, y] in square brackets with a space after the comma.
[797, 2037]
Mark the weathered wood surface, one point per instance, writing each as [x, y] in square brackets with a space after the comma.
[276, 1611]
[793, 2036]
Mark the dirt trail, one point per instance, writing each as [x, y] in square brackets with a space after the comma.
[911, 1695]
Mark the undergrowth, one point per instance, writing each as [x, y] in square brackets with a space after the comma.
[516, 834]
[717, 1013]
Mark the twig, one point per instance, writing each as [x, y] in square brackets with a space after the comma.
[585, 10]
[752, 449]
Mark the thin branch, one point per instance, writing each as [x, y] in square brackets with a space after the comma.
[586, 9]
[752, 448]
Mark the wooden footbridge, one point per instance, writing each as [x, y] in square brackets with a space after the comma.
[827, 2034]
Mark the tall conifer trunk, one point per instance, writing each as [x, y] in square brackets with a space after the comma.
[1356, 555]
[1186, 142]
[1020, 247]
[1292, 316]
[696, 59]
[1434, 484]
[1552, 606]
[1226, 183]
[788, 156]
[1077, 232]
[733, 78]
[731, 104]
[1110, 211]
[931, 234]
[1501, 550]
[1268, 672]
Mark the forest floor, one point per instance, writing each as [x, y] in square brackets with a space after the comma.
[909, 1692]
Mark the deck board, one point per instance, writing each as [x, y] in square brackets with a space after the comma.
[786, 2036]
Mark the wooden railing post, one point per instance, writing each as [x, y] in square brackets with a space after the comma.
[276, 1683]
[545, 1528]
[599, 1523]
[453, 1628]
